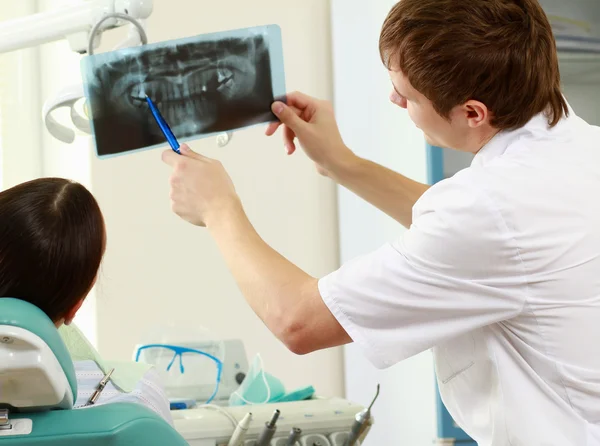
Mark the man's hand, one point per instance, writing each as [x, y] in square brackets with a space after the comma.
[286, 298]
[312, 121]
[200, 186]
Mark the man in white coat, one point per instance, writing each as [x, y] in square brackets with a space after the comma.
[499, 271]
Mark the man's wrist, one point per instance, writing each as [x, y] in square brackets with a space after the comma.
[345, 167]
[225, 213]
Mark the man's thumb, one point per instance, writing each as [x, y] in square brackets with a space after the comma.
[287, 116]
[187, 151]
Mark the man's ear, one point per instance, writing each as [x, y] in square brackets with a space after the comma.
[477, 113]
[72, 312]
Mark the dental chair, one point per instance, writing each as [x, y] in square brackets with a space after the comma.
[38, 387]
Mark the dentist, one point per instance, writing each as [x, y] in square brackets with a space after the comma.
[499, 269]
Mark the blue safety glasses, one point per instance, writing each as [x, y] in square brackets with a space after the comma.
[165, 350]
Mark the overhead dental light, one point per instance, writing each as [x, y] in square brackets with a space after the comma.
[73, 97]
[81, 24]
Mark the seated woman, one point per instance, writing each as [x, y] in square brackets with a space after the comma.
[52, 240]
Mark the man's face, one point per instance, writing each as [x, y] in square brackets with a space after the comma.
[438, 130]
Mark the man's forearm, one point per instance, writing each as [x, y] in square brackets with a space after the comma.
[385, 189]
[283, 296]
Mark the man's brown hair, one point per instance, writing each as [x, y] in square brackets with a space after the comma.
[499, 52]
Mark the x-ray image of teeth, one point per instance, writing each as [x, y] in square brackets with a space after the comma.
[202, 86]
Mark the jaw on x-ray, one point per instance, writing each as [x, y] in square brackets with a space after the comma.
[201, 85]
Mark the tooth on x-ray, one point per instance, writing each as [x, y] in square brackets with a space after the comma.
[202, 85]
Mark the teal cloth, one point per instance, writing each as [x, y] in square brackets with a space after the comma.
[301, 394]
[260, 387]
[127, 373]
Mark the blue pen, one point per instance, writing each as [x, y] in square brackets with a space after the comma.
[163, 126]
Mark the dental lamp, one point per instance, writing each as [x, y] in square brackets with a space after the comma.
[73, 22]
[81, 24]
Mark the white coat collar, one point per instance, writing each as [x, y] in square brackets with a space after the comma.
[538, 125]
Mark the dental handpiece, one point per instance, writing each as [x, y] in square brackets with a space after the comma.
[294, 436]
[361, 422]
[267, 434]
[240, 431]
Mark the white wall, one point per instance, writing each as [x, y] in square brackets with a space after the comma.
[576, 15]
[581, 86]
[380, 131]
[20, 132]
[157, 267]
[59, 68]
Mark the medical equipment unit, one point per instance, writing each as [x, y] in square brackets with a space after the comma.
[320, 421]
[38, 383]
[389, 137]
[39, 387]
[218, 398]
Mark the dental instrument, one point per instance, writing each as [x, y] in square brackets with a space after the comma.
[361, 422]
[294, 436]
[101, 385]
[240, 431]
[208, 426]
[269, 430]
[164, 127]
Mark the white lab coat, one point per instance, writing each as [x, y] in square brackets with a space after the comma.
[500, 275]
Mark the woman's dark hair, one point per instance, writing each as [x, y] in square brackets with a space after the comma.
[52, 241]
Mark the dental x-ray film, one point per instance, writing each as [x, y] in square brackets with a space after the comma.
[203, 85]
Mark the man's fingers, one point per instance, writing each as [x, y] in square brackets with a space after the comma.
[186, 151]
[288, 116]
[288, 140]
[299, 100]
[171, 158]
[272, 128]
